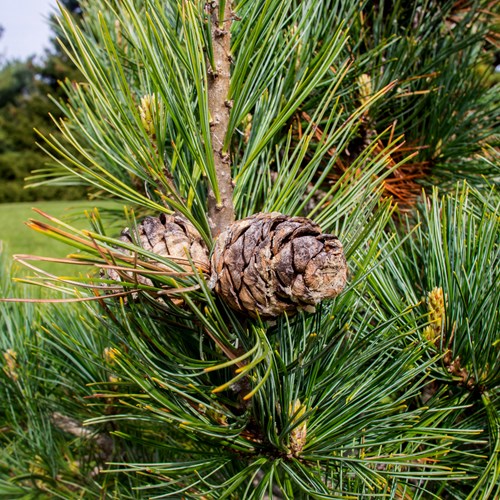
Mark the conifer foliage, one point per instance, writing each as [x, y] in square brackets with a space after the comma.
[199, 116]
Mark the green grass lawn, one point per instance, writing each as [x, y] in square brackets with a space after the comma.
[17, 238]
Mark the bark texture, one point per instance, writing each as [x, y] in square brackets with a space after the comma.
[268, 264]
[221, 212]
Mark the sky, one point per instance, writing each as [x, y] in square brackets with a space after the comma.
[26, 30]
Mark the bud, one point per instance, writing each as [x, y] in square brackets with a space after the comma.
[110, 354]
[299, 433]
[147, 110]
[365, 88]
[10, 368]
[436, 314]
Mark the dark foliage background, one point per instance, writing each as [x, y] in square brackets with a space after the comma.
[25, 108]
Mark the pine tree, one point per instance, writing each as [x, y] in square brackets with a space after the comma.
[217, 348]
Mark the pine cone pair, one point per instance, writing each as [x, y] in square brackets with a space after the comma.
[264, 265]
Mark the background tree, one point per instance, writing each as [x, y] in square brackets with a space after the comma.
[29, 92]
[156, 383]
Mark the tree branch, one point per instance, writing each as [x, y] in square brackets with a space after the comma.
[220, 208]
[76, 428]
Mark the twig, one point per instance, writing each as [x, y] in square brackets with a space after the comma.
[76, 428]
[220, 211]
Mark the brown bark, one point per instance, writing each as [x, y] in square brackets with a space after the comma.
[220, 211]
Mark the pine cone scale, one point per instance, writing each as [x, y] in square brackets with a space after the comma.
[252, 237]
[236, 257]
[283, 266]
[154, 231]
[255, 279]
[305, 249]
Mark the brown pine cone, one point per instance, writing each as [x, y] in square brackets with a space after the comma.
[268, 264]
[171, 236]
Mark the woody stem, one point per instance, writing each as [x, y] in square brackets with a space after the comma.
[220, 204]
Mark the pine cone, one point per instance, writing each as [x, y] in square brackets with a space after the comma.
[170, 236]
[268, 264]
